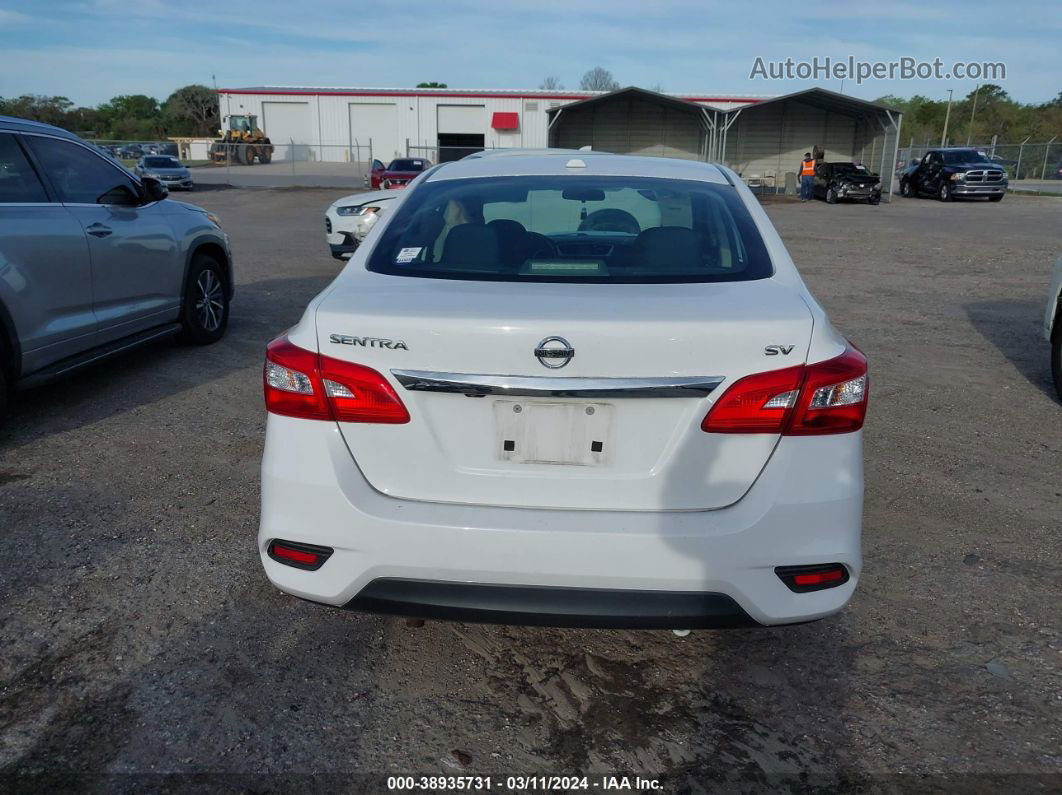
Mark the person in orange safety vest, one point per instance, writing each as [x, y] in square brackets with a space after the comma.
[807, 177]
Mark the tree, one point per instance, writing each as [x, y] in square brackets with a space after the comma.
[49, 110]
[191, 110]
[132, 117]
[432, 85]
[598, 79]
[551, 83]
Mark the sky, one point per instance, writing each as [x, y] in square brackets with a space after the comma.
[91, 50]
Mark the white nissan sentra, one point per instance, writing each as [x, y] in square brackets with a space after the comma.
[572, 390]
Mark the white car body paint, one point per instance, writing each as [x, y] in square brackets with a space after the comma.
[358, 226]
[668, 508]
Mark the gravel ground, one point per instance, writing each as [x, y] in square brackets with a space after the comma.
[142, 645]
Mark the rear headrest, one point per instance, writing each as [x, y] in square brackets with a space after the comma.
[667, 245]
[512, 239]
[471, 244]
[506, 228]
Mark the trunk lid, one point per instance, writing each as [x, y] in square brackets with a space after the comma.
[584, 452]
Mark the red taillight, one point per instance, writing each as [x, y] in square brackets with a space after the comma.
[760, 403]
[801, 579]
[818, 578]
[834, 396]
[826, 397]
[304, 384]
[299, 555]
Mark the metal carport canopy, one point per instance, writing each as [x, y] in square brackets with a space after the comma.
[702, 113]
[834, 102]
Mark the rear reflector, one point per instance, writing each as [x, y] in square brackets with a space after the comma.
[812, 578]
[299, 555]
[305, 384]
[821, 398]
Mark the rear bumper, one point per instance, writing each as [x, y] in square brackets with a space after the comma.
[550, 606]
[805, 508]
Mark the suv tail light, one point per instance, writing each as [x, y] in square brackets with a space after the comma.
[822, 398]
[304, 384]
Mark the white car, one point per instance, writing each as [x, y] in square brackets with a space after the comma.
[350, 219]
[1053, 324]
[576, 391]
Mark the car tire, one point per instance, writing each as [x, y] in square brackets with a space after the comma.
[874, 200]
[831, 196]
[205, 310]
[5, 393]
[944, 194]
[995, 198]
[1056, 356]
[906, 189]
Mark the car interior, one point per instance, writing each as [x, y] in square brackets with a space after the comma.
[566, 233]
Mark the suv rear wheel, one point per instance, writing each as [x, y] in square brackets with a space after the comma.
[5, 392]
[205, 314]
[906, 189]
[1056, 355]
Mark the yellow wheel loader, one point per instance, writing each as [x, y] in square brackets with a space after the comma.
[242, 142]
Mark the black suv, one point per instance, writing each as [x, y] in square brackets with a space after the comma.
[948, 173]
[835, 181]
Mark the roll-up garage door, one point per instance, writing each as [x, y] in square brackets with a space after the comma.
[289, 127]
[376, 122]
[467, 119]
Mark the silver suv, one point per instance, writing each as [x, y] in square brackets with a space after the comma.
[94, 260]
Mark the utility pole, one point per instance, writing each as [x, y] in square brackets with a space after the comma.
[973, 110]
[947, 116]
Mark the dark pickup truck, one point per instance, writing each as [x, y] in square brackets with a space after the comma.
[951, 173]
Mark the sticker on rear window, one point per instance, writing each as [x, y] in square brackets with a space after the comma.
[408, 254]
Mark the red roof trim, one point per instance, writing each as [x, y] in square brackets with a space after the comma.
[456, 95]
[294, 92]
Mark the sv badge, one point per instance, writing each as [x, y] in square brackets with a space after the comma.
[774, 350]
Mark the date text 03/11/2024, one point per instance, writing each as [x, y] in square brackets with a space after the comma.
[517, 783]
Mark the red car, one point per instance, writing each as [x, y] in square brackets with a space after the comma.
[375, 175]
[400, 172]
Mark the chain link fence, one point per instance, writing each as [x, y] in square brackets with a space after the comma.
[266, 163]
[1035, 166]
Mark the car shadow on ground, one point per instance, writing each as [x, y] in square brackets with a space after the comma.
[201, 187]
[157, 371]
[1014, 326]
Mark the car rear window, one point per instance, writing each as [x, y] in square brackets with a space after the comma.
[573, 229]
[407, 165]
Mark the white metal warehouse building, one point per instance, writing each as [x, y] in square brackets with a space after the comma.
[762, 138]
[336, 124]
